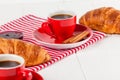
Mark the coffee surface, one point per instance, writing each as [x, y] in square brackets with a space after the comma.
[61, 16]
[6, 64]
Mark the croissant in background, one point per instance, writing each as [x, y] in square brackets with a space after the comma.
[32, 54]
[104, 19]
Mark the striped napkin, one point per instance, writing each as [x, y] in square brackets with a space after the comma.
[29, 23]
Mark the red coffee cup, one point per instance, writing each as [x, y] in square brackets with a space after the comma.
[12, 68]
[60, 24]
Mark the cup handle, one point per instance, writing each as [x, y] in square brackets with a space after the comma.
[46, 28]
[25, 74]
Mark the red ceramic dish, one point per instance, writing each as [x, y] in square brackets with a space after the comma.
[36, 76]
[50, 41]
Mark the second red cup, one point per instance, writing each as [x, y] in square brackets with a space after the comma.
[12, 68]
[61, 24]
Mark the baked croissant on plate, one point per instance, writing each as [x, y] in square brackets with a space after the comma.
[32, 54]
[104, 19]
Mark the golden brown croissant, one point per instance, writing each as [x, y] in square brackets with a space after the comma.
[32, 54]
[104, 19]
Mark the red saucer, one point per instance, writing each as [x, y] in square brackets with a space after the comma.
[45, 37]
[36, 76]
[49, 40]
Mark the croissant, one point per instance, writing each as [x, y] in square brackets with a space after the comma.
[104, 19]
[33, 54]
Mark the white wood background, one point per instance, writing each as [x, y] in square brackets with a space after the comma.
[100, 61]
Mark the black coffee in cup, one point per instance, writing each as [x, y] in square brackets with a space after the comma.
[8, 63]
[61, 16]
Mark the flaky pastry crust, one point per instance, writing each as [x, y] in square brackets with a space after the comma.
[104, 19]
[33, 54]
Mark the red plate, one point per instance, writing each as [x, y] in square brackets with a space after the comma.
[49, 41]
[36, 76]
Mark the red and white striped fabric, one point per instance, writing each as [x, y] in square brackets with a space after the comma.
[29, 23]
